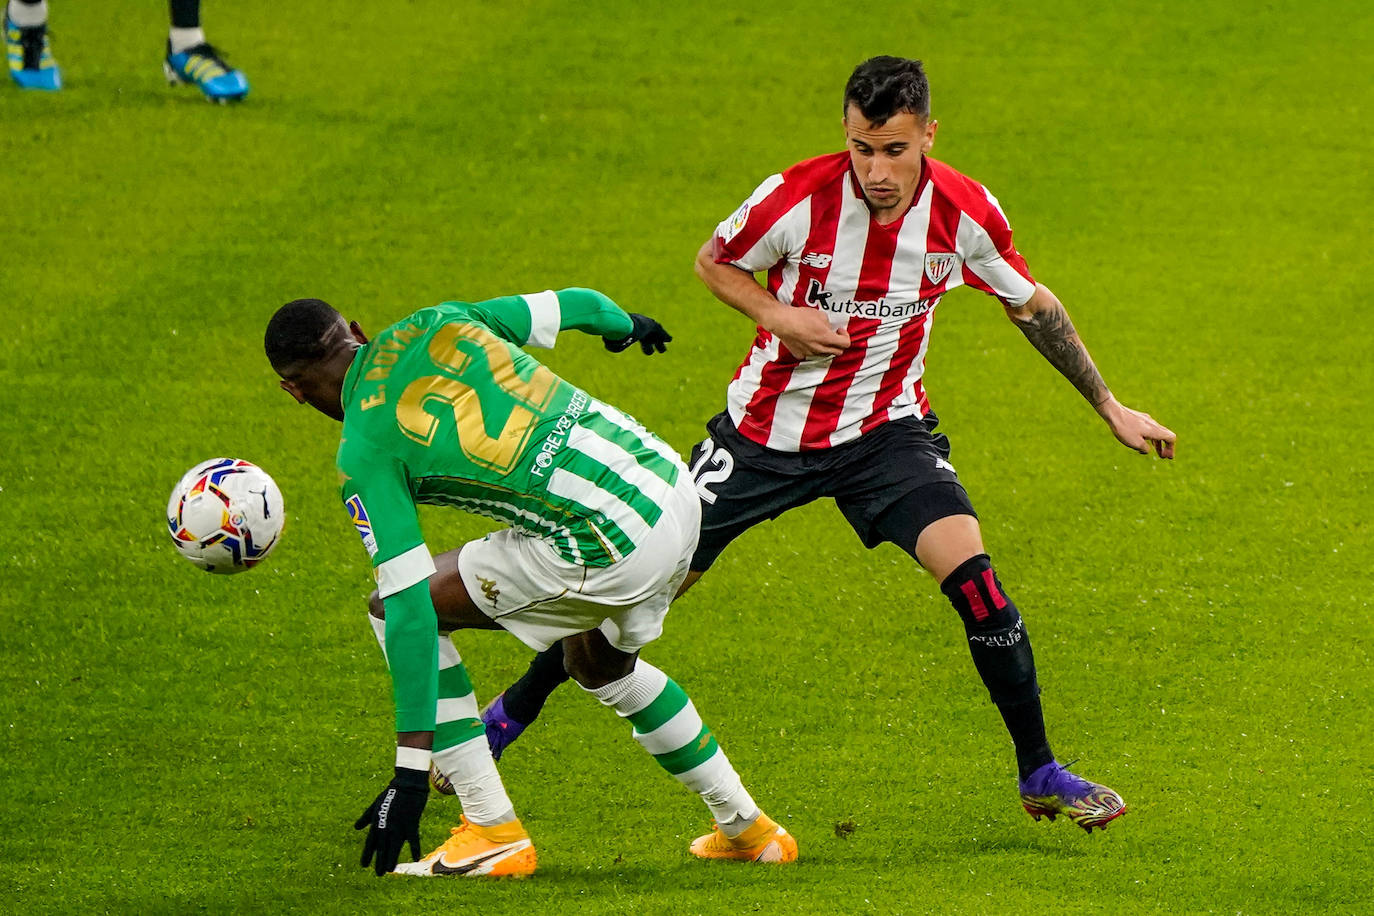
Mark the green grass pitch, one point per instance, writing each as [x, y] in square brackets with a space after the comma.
[1191, 178]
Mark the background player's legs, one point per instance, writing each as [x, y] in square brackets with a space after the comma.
[185, 31]
[667, 725]
[26, 13]
[31, 64]
[192, 59]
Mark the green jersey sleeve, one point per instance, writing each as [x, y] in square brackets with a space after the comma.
[375, 492]
[535, 319]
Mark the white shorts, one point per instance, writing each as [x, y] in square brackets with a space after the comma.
[522, 583]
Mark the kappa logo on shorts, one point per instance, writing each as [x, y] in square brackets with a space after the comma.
[938, 265]
[357, 513]
[489, 589]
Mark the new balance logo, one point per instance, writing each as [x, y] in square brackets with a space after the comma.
[942, 463]
[815, 259]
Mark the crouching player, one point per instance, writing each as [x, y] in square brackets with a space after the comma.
[444, 408]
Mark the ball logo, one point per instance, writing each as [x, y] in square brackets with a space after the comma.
[212, 515]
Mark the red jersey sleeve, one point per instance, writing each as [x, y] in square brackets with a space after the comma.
[751, 238]
[993, 264]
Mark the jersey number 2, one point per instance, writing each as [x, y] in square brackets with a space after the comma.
[712, 466]
[423, 398]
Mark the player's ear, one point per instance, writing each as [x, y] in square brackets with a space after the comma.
[929, 139]
[357, 331]
[293, 389]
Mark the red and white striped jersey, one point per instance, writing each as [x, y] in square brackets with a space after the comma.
[811, 230]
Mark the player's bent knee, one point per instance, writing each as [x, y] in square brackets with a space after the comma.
[976, 593]
[593, 662]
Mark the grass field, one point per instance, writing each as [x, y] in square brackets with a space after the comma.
[1192, 179]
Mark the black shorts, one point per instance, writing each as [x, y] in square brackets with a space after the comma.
[889, 483]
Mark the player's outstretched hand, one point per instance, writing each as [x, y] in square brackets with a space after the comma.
[393, 820]
[1137, 430]
[649, 334]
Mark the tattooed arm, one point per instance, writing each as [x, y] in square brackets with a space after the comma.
[1046, 325]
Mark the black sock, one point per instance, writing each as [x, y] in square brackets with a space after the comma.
[1026, 724]
[525, 698]
[1001, 650]
[185, 14]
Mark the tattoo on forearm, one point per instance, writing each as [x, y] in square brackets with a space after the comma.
[1052, 333]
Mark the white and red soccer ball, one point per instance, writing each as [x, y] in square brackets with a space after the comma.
[225, 515]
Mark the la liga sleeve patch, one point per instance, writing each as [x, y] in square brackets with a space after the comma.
[732, 226]
[357, 513]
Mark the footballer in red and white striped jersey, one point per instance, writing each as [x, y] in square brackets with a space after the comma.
[813, 232]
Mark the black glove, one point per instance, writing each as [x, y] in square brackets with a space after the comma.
[394, 819]
[649, 334]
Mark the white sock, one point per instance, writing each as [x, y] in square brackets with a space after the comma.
[182, 39]
[473, 773]
[666, 738]
[28, 15]
[467, 765]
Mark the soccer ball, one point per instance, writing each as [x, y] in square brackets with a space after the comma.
[225, 515]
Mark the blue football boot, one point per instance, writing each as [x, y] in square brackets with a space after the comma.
[203, 66]
[31, 63]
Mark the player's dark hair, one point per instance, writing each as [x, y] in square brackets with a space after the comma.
[883, 86]
[299, 332]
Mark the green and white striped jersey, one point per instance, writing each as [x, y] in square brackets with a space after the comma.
[444, 408]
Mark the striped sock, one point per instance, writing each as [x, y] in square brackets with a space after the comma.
[460, 739]
[667, 725]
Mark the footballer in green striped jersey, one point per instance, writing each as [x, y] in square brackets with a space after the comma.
[444, 407]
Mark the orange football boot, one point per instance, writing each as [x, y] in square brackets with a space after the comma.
[762, 841]
[472, 851]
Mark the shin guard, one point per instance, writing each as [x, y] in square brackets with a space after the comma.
[997, 638]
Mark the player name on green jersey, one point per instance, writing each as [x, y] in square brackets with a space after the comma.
[444, 408]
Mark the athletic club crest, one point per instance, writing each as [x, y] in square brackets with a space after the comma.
[938, 265]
